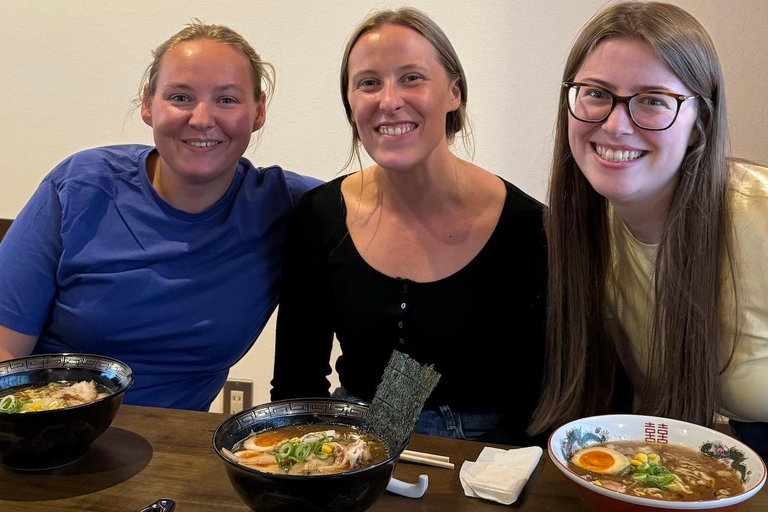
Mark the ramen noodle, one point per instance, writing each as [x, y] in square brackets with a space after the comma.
[659, 471]
[54, 395]
[309, 450]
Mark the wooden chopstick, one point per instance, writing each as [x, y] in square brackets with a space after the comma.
[426, 455]
[428, 459]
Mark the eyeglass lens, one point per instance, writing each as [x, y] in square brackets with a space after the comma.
[649, 110]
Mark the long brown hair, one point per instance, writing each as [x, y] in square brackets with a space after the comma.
[692, 258]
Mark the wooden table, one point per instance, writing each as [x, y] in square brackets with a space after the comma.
[151, 453]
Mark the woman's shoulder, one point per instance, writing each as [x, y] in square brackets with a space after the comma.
[488, 183]
[321, 205]
[324, 197]
[520, 200]
[520, 213]
[106, 161]
[320, 214]
[274, 176]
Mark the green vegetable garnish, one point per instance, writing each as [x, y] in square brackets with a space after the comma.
[290, 453]
[11, 404]
[651, 474]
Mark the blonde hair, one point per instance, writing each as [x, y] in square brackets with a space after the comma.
[262, 73]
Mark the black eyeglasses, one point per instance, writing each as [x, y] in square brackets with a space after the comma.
[654, 110]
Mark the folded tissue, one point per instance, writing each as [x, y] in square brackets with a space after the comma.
[499, 475]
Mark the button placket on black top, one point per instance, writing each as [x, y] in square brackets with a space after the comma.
[401, 312]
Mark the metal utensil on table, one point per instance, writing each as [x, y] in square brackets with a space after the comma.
[161, 505]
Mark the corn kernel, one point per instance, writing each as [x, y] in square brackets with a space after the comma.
[653, 457]
[641, 457]
[295, 440]
[635, 462]
[327, 448]
[597, 482]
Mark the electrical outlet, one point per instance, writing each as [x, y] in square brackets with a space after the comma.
[236, 401]
[238, 396]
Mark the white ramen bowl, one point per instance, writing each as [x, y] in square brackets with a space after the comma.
[578, 434]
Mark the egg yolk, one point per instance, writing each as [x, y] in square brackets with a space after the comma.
[596, 460]
[268, 440]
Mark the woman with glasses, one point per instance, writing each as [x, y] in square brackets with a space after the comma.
[658, 243]
[423, 252]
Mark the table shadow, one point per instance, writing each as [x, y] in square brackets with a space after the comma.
[114, 457]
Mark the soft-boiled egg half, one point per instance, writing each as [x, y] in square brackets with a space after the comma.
[264, 443]
[600, 459]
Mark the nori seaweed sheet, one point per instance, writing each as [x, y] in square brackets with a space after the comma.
[400, 396]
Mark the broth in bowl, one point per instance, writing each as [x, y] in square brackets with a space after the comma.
[51, 396]
[639, 463]
[309, 450]
[61, 423]
[658, 471]
[353, 490]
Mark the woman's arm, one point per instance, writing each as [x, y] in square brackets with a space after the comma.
[304, 326]
[29, 256]
[14, 344]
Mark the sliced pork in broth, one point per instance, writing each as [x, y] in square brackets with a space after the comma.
[54, 395]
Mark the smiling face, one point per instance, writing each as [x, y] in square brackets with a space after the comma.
[624, 163]
[202, 113]
[399, 95]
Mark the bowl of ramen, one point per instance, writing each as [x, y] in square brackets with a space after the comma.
[53, 406]
[633, 463]
[314, 454]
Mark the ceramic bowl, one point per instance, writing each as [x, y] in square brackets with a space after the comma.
[48, 439]
[578, 434]
[352, 491]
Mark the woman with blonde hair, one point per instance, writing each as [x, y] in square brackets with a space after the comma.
[656, 239]
[422, 252]
[165, 257]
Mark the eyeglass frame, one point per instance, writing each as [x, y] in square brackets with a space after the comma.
[625, 100]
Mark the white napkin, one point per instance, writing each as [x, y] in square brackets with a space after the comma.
[499, 475]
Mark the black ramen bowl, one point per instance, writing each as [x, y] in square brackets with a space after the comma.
[352, 491]
[34, 441]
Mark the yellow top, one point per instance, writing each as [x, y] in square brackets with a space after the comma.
[744, 384]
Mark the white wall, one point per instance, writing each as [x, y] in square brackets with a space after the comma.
[70, 70]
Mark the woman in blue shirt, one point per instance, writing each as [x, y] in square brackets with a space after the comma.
[164, 257]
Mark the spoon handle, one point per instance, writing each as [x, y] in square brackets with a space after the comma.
[161, 505]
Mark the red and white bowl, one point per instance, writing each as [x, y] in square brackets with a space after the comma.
[578, 434]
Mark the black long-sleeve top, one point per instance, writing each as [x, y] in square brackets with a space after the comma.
[483, 327]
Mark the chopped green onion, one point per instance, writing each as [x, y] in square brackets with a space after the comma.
[650, 474]
[11, 404]
[290, 452]
[303, 450]
[285, 450]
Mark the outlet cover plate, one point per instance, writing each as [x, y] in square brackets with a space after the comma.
[246, 386]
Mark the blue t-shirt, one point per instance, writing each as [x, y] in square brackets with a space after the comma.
[97, 262]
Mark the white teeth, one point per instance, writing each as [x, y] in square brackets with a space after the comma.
[396, 130]
[617, 155]
[203, 144]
